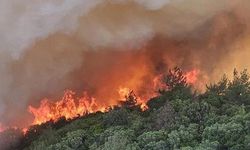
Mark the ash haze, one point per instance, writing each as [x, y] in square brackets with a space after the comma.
[47, 46]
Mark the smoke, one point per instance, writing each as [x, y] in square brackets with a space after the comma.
[96, 45]
[23, 22]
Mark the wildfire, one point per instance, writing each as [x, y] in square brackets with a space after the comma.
[192, 76]
[70, 106]
[126, 92]
[123, 91]
[25, 130]
[157, 82]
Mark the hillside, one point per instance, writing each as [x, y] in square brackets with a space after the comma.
[178, 118]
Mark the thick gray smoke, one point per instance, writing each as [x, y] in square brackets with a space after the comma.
[47, 46]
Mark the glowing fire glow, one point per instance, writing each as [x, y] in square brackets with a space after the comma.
[69, 106]
[125, 92]
[25, 130]
[192, 76]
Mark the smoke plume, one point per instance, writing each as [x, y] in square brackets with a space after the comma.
[48, 46]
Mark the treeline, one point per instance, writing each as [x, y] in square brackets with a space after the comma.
[177, 119]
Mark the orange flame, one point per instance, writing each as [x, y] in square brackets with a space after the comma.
[69, 106]
[192, 76]
[25, 130]
[124, 92]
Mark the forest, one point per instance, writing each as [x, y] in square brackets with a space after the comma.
[179, 118]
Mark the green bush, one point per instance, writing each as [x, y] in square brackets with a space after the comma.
[116, 117]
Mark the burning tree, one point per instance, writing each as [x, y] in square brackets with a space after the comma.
[178, 84]
[130, 100]
[175, 79]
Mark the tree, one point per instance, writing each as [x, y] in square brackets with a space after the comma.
[239, 88]
[115, 138]
[184, 136]
[176, 85]
[164, 117]
[73, 141]
[215, 93]
[130, 100]
[228, 135]
[47, 138]
[11, 139]
[153, 140]
[175, 79]
[196, 112]
[116, 117]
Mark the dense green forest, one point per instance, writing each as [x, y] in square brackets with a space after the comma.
[178, 118]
